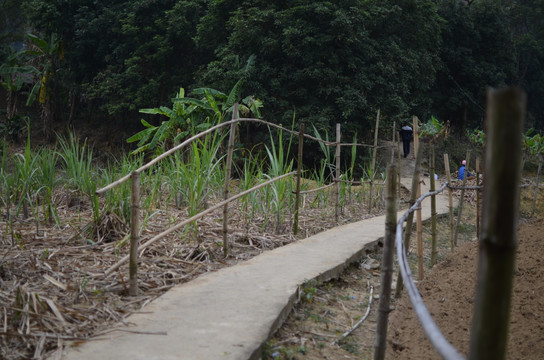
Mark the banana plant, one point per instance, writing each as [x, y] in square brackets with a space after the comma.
[190, 115]
[182, 119]
[47, 55]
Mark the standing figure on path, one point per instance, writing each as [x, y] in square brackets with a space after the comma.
[406, 134]
[462, 171]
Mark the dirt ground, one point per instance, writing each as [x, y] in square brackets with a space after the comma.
[448, 293]
[314, 329]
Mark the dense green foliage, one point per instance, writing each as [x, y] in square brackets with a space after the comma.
[321, 61]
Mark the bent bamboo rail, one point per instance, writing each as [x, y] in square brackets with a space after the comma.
[135, 175]
[194, 218]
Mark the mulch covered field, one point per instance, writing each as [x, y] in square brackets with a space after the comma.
[54, 281]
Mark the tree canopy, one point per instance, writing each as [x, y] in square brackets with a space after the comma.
[322, 62]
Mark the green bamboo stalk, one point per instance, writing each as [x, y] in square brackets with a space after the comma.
[387, 263]
[505, 117]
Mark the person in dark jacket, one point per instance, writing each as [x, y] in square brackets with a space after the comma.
[406, 135]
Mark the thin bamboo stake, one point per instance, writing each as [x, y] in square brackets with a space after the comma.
[419, 227]
[450, 198]
[398, 165]
[134, 234]
[299, 175]
[416, 134]
[227, 181]
[462, 199]
[478, 198]
[194, 218]
[433, 210]
[372, 168]
[505, 116]
[387, 263]
[410, 219]
[536, 185]
[337, 195]
[393, 141]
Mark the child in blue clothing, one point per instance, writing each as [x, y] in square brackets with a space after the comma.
[462, 171]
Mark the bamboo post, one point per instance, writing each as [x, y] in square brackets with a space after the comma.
[228, 171]
[410, 219]
[416, 134]
[393, 141]
[299, 175]
[478, 198]
[536, 184]
[337, 175]
[450, 197]
[462, 199]
[373, 166]
[433, 210]
[387, 263]
[505, 116]
[134, 234]
[419, 228]
[398, 164]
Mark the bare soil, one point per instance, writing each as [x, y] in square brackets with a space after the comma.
[314, 329]
[449, 293]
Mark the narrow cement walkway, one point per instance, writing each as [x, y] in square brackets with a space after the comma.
[228, 314]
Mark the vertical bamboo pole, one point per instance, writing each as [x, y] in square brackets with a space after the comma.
[450, 198]
[536, 185]
[134, 234]
[372, 168]
[387, 263]
[228, 171]
[416, 134]
[337, 207]
[505, 116]
[398, 164]
[478, 198]
[419, 227]
[462, 199]
[433, 210]
[299, 175]
[410, 219]
[393, 141]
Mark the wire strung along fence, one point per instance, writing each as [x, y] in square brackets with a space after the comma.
[497, 241]
[137, 249]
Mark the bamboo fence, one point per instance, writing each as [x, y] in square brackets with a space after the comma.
[137, 250]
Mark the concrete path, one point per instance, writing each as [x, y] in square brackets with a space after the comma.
[230, 313]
